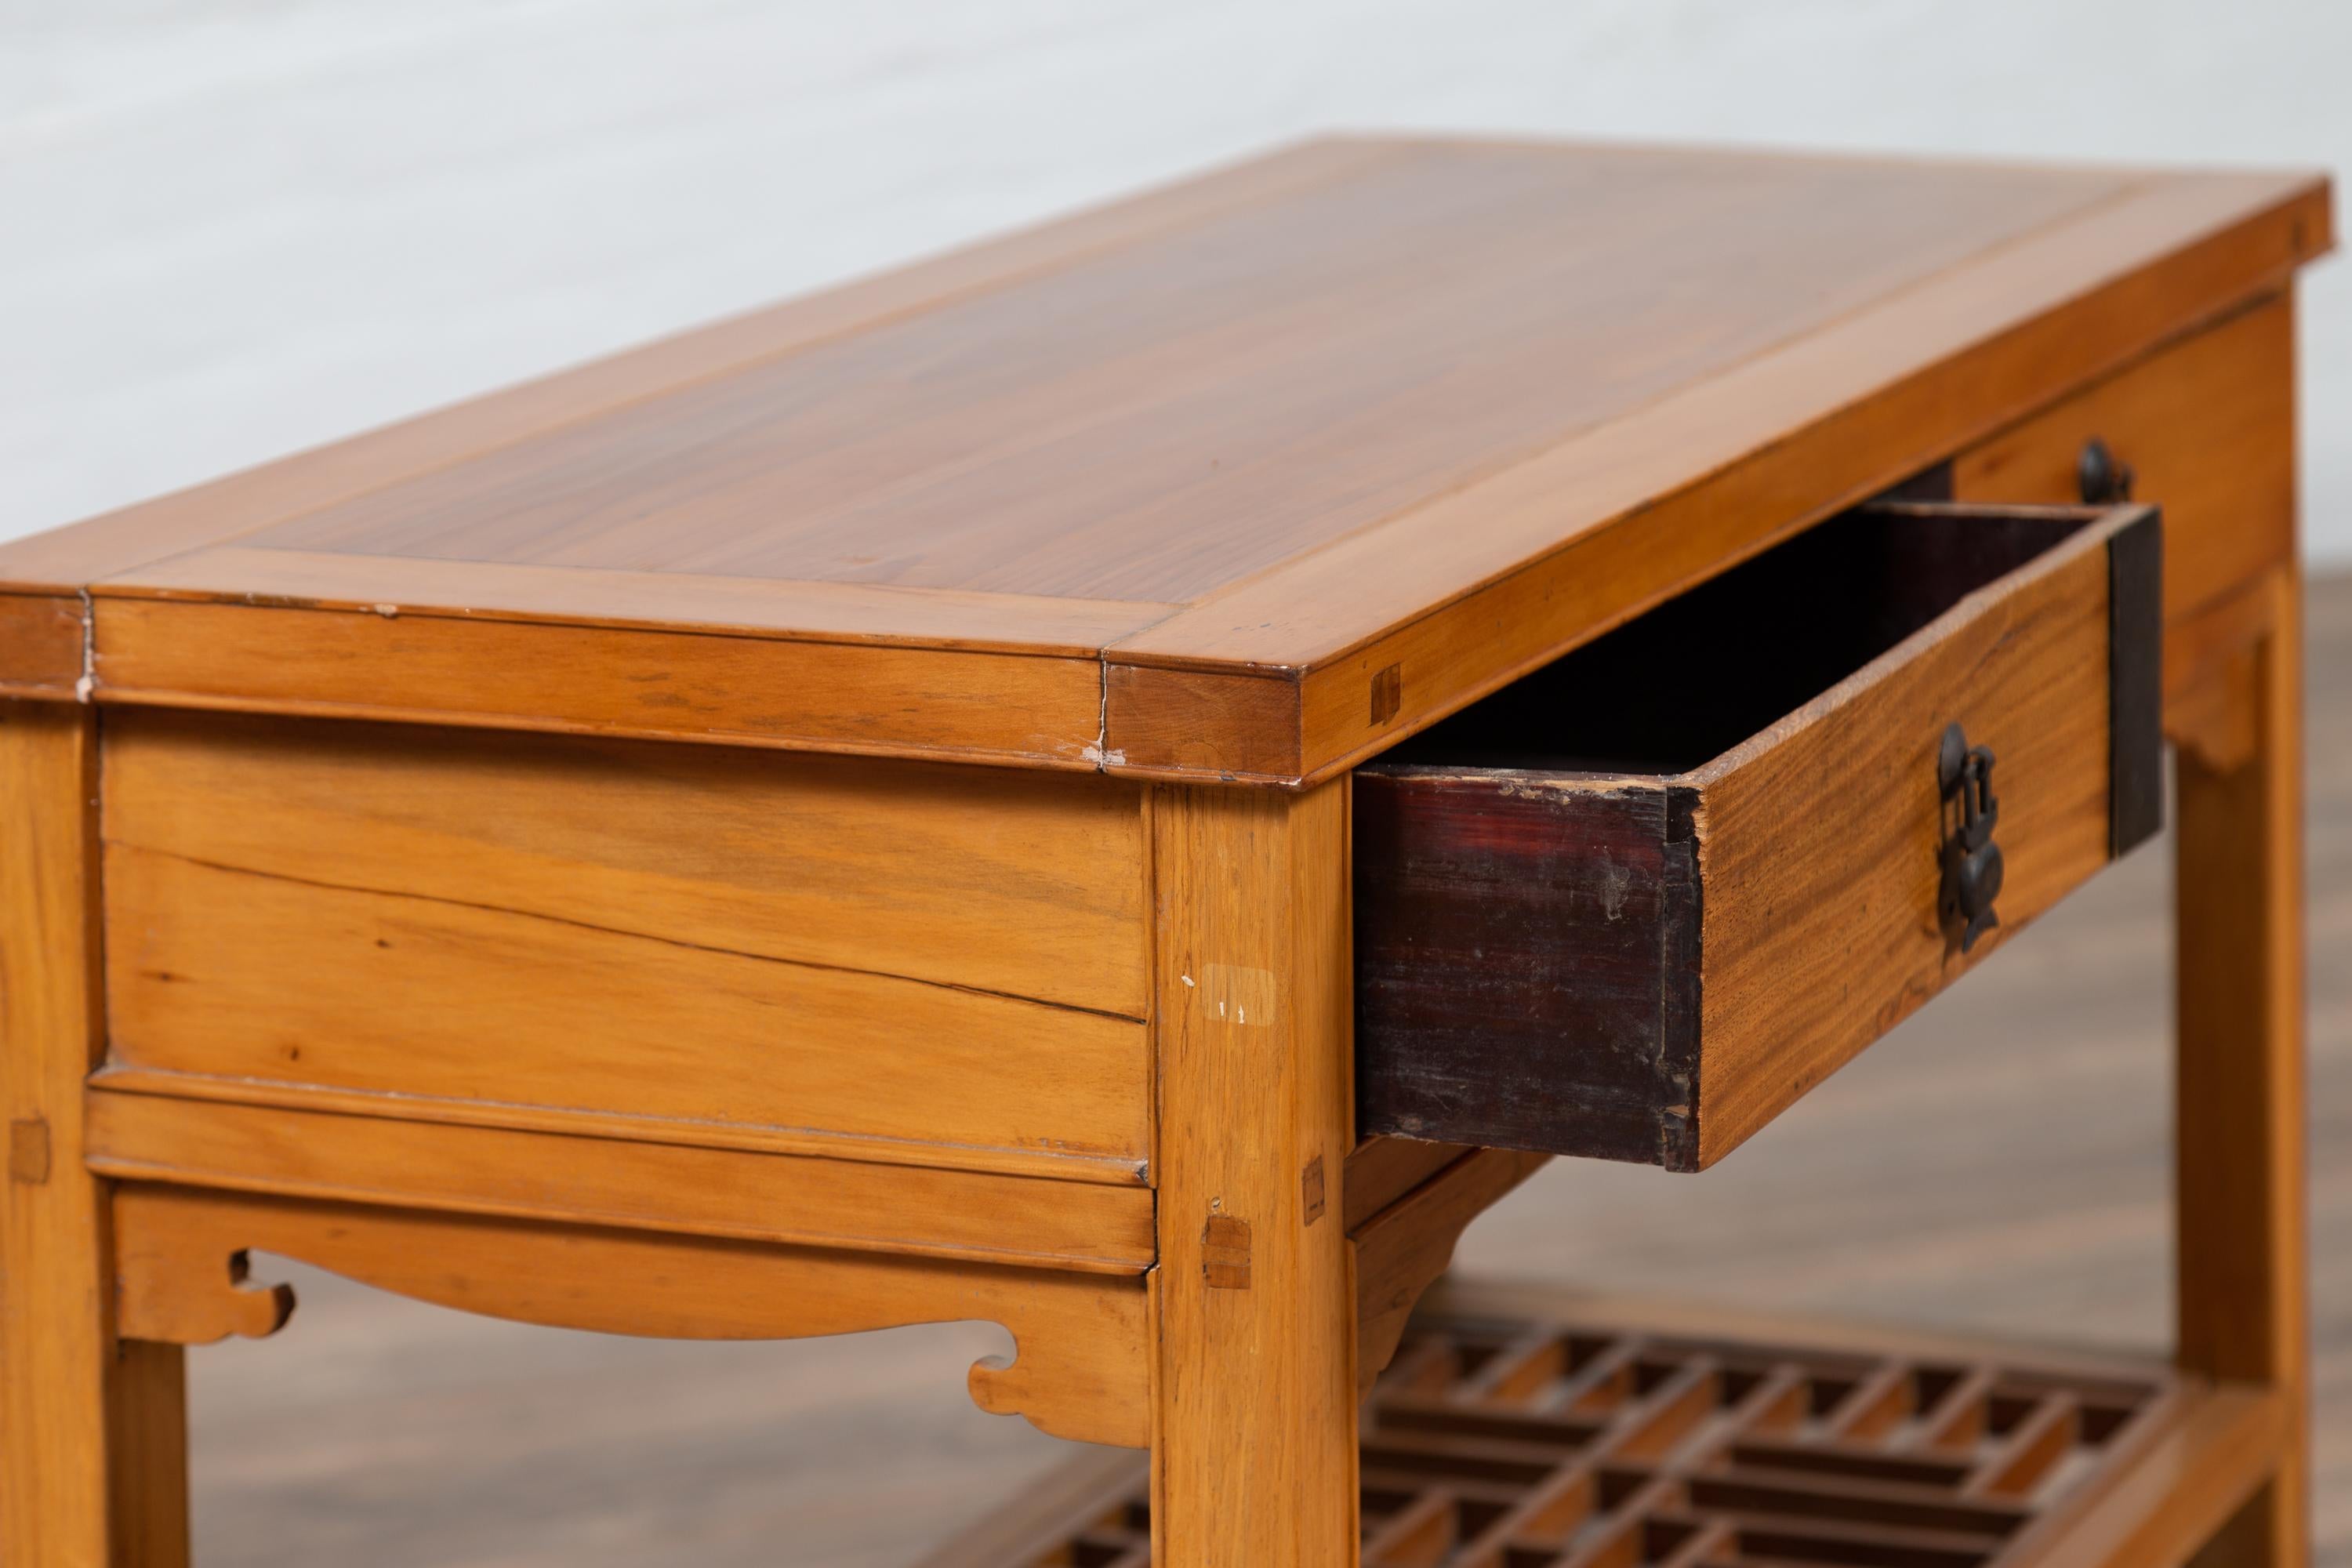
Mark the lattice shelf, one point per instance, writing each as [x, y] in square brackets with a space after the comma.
[1510, 1442]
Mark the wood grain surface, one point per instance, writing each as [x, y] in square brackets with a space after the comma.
[1999, 1165]
[2207, 428]
[1817, 850]
[1254, 1289]
[1244, 480]
[92, 1429]
[1647, 523]
[810, 955]
[2243, 1272]
[976, 706]
[41, 644]
[241, 976]
[983, 879]
[1347, 350]
[326, 476]
[745, 1195]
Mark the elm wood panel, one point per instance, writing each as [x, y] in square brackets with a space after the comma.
[69, 558]
[1818, 844]
[1254, 1290]
[974, 707]
[1082, 1356]
[2243, 1293]
[41, 646]
[1872, 398]
[746, 1195]
[1461, 596]
[92, 1429]
[985, 878]
[579, 596]
[1154, 422]
[1648, 965]
[248, 978]
[2156, 247]
[2207, 424]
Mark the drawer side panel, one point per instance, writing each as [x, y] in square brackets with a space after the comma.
[1820, 845]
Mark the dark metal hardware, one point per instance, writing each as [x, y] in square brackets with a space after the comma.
[2103, 478]
[1972, 865]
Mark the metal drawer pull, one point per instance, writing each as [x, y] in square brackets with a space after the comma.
[2102, 477]
[1972, 864]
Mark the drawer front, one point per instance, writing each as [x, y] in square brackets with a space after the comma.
[2207, 430]
[1650, 966]
[687, 943]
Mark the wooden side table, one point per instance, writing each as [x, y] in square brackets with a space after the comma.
[1044, 787]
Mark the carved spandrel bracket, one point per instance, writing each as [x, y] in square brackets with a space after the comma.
[1402, 1250]
[1081, 1368]
[185, 1287]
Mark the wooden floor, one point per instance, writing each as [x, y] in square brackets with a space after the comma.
[2000, 1163]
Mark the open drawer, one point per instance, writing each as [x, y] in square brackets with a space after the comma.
[1635, 904]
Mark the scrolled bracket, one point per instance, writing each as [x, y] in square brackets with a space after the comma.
[1081, 1368]
[1066, 1386]
[180, 1286]
[1402, 1251]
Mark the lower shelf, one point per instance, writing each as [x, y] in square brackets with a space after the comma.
[1534, 1428]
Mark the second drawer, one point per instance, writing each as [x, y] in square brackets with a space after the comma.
[1636, 904]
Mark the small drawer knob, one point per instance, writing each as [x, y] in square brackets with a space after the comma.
[2103, 478]
[1972, 861]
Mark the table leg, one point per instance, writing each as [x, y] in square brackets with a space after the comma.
[1253, 1431]
[92, 1431]
[2241, 1171]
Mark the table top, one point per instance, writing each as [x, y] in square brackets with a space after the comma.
[1244, 477]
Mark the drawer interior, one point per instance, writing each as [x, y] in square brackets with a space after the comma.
[1702, 672]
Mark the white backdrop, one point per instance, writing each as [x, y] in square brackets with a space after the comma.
[232, 227]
